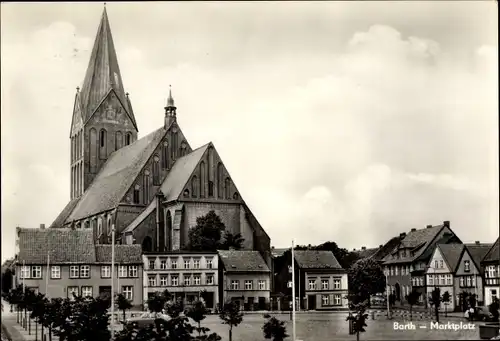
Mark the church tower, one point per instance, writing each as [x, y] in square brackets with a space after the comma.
[103, 120]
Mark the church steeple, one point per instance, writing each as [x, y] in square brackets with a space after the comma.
[170, 109]
[103, 73]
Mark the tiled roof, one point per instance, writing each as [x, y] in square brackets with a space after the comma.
[366, 253]
[236, 260]
[386, 249]
[418, 240]
[448, 239]
[61, 218]
[124, 254]
[451, 254]
[314, 259]
[117, 176]
[103, 73]
[180, 173]
[493, 254]
[477, 252]
[64, 245]
[140, 218]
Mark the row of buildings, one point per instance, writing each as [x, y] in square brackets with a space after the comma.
[434, 256]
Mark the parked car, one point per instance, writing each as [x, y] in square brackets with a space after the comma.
[480, 314]
[378, 300]
[145, 319]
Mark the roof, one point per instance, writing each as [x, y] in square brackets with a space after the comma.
[451, 254]
[478, 252]
[124, 254]
[493, 254]
[103, 74]
[418, 240]
[237, 260]
[386, 249]
[180, 173]
[61, 218]
[366, 253]
[446, 239]
[140, 218]
[278, 252]
[64, 245]
[117, 176]
[315, 259]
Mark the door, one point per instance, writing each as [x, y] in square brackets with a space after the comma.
[398, 292]
[311, 302]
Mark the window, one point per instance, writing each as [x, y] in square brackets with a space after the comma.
[324, 284]
[128, 292]
[74, 271]
[248, 284]
[187, 279]
[55, 272]
[227, 188]
[152, 281]
[441, 279]
[469, 280]
[102, 144]
[466, 265]
[132, 271]
[312, 284]
[441, 264]
[448, 279]
[210, 189]
[392, 271]
[461, 281]
[85, 271]
[186, 264]
[146, 186]
[202, 179]
[122, 271]
[197, 279]
[473, 281]
[336, 283]
[262, 284]
[324, 300]
[396, 270]
[196, 263]
[152, 264]
[72, 291]
[209, 264]
[336, 299]
[430, 279]
[128, 139]
[175, 280]
[164, 158]
[106, 271]
[491, 271]
[194, 186]
[235, 284]
[436, 264]
[36, 271]
[163, 281]
[156, 170]
[289, 284]
[210, 279]
[87, 291]
[174, 264]
[421, 281]
[163, 264]
[136, 198]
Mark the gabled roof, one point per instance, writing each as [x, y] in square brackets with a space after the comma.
[181, 172]
[478, 252]
[493, 254]
[116, 176]
[61, 218]
[242, 261]
[451, 254]
[315, 259]
[64, 245]
[103, 74]
[124, 254]
[366, 253]
[386, 249]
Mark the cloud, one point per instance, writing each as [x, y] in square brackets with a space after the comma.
[385, 133]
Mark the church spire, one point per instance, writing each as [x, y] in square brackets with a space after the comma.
[103, 73]
[170, 109]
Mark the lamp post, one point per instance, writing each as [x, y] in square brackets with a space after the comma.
[112, 281]
[47, 277]
[293, 293]
[387, 293]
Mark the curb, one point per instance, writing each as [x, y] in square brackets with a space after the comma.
[11, 333]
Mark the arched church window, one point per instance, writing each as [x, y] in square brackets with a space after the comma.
[186, 193]
[164, 158]
[136, 197]
[227, 187]
[128, 139]
[147, 244]
[102, 144]
[99, 227]
[175, 145]
[146, 187]
[156, 170]
[194, 186]
[203, 176]
[220, 183]
[210, 189]
[118, 140]
[93, 150]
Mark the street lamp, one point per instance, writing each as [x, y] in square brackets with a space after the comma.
[112, 281]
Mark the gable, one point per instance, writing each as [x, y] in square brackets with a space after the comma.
[466, 256]
[112, 112]
[437, 256]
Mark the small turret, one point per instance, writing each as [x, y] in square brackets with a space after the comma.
[170, 110]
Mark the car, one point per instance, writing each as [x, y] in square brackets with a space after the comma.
[378, 300]
[146, 319]
[480, 314]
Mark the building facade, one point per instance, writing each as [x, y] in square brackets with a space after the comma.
[245, 278]
[186, 275]
[491, 268]
[63, 262]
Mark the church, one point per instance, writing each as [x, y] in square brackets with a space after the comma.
[151, 189]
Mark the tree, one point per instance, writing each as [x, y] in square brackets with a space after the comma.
[197, 312]
[52, 314]
[158, 301]
[412, 299]
[435, 300]
[274, 329]
[230, 314]
[123, 304]
[366, 278]
[358, 319]
[232, 241]
[7, 277]
[446, 300]
[38, 311]
[206, 235]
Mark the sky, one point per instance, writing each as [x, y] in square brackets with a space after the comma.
[338, 121]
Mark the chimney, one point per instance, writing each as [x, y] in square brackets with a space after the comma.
[272, 247]
[446, 223]
[353, 249]
[42, 226]
[477, 242]
[402, 235]
[429, 226]
[413, 230]
[363, 248]
[380, 246]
